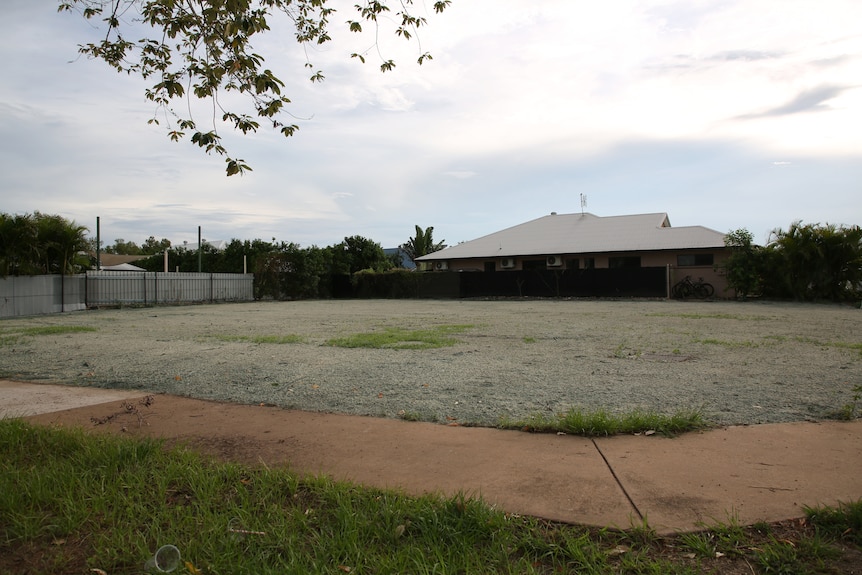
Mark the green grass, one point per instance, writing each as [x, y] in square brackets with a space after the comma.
[842, 522]
[601, 422]
[73, 503]
[399, 338]
[260, 339]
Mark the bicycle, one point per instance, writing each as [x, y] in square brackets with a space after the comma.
[687, 288]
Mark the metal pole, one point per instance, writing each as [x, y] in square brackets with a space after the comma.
[98, 245]
[200, 250]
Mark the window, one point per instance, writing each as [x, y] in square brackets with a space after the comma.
[694, 260]
[589, 263]
[625, 262]
[490, 266]
[573, 264]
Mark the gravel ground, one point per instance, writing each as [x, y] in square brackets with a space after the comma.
[741, 363]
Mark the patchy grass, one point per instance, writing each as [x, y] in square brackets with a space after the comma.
[853, 346]
[262, 339]
[734, 316]
[399, 338]
[13, 336]
[57, 329]
[601, 422]
[77, 503]
[726, 343]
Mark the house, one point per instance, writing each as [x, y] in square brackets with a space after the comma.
[113, 260]
[583, 241]
[126, 267]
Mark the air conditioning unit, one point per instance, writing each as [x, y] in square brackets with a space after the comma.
[507, 263]
[555, 261]
[440, 266]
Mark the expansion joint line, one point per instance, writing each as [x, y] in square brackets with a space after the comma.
[619, 483]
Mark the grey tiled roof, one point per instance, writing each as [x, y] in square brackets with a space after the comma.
[582, 234]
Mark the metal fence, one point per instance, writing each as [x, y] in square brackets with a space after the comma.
[34, 295]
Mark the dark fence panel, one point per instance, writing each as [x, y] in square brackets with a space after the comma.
[439, 285]
[620, 282]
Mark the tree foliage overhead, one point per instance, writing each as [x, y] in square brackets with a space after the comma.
[203, 48]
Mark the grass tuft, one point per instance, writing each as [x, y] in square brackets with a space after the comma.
[601, 422]
[842, 522]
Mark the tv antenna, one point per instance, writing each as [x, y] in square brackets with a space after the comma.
[583, 203]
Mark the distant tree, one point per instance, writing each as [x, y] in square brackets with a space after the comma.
[203, 48]
[422, 244]
[291, 272]
[357, 253]
[152, 246]
[743, 269]
[122, 247]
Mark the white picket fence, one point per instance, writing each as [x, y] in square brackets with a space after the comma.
[35, 295]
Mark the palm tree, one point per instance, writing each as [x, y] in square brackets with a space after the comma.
[59, 243]
[18, 245]
[817, 262]
[422, 244]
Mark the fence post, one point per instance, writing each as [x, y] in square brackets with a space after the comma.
[667, 282]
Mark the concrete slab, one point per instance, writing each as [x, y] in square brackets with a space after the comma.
[755, 473]
[758, 473]
[18, 399]
[556, 477]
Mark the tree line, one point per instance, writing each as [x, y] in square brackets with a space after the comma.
[806, 262]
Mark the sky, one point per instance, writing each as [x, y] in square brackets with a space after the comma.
[723, 113]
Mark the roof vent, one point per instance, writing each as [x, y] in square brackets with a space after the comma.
[553, 213]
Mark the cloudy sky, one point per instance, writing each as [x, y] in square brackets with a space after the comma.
[723, 113]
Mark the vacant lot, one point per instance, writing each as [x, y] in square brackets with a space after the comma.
[739, 362]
